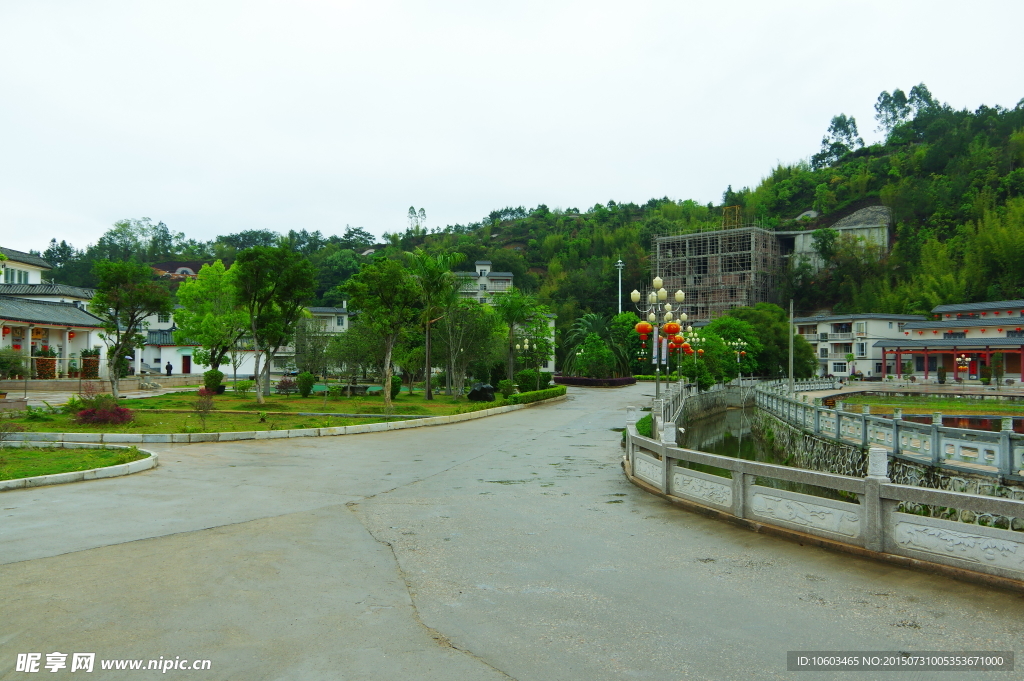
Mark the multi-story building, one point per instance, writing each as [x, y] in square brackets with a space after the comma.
[482, 284]
[963, 339]
[836, 337]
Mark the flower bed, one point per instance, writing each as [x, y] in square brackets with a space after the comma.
[594, 382]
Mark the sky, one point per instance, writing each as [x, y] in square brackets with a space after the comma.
[219, 116]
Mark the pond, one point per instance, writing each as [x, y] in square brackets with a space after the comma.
[729, 434]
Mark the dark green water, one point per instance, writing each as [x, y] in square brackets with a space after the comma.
[728, 434]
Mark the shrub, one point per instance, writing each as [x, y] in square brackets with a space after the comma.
[305, 382]
[242, 388]
[204, 404]
[942, 375]
[105, 415]
[213, 379]
[537, 395]
[12, 363]
[505, 387]
[531, 379]
[286, 386]
[396, 386]
[645, 426]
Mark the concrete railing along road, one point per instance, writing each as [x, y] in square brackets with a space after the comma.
[507, 547]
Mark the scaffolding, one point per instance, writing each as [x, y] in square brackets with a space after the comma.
[720, 270]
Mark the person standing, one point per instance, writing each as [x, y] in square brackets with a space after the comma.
[168, 367]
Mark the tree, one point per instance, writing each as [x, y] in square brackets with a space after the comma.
[272, 284]
[891, 110]
[469, 333]
[437, 283]
[771, 324]
[515, 308]
[842, 138]
[387, 299]
[125, 296]
[733, 329]
[357, 349]
[210, 315]
[311, 342]
[594, 324]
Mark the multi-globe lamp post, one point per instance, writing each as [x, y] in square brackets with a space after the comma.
[524, 348]
[691, 341]
[740, 348]
[659, 313]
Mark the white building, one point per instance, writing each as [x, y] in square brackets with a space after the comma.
[835, 337]
[482, 284]
[38, 317]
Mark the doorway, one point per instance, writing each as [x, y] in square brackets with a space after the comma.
[186, 364]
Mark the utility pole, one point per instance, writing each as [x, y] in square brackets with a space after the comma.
[619, 265]
[791, 346]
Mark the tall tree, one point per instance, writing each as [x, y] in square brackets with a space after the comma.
[272, 284]
[469, 332]
[210, 314]
[437, 283]
[842, 138]
[388, 300]
[516, 308]
[125, 296]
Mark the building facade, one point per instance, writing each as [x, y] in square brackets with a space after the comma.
[483, 284]
[836, 337]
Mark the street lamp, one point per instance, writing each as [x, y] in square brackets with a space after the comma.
[525, 347]
[656, 303]
[693, 340]
[619, 265]
[740, 348]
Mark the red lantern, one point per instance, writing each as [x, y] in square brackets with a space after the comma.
[996, 312]
[920, 333]
[71, 334]
[984, 313]
[934, 331]
[906, 333]
[686, 346]
[947, 316]
[983, 329]
[679, 340]
[672, 328]
[1000, 330]
[643, 336]
[743, 353]
[16, 347]
[644, 327]
[7, 330]
[700, 352]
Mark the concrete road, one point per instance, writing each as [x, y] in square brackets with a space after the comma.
[508, 547]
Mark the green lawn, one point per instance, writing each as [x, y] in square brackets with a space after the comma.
[923, 404]
[414, 404]
[20, 462]
[216, 422]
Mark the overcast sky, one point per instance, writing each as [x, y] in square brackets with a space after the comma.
[216, 117]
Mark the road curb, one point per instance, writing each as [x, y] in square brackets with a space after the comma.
[118, 470]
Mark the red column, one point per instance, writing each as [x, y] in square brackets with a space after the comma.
[899, 364]
[956, 373]
[885, 362]
[926, 365]
[1022, 363]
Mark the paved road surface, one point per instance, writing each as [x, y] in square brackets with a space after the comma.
[508, 547]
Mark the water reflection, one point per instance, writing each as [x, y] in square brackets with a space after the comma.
[729, 434]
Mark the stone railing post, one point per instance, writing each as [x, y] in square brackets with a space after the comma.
[864, 411]
[936, 453]
[668, 439]
[878, 474]
[1005, 461]
[897, 419]
[817, 415]
[657, 417]
[631, 417]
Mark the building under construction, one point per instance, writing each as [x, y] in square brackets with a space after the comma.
[718, 270]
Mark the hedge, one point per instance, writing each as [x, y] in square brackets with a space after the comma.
[605, 382]
[536, 395]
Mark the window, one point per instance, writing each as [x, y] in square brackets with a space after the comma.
[163, 318]
[483, 300]
[483, 273]
[483, 287]
[15, 276]
[958, 334]
[878, 367]
[838, 367]
[862, 349]
[340, 321]
[859, 328]
[1015, 334]
[890, 325]
[901, 325]
[824, 352]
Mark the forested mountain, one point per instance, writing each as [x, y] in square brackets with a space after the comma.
[953, 179]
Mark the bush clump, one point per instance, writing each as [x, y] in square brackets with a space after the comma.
[286, 386]
[102, 409]
[243, 388]
[505, 387]
[305, 381]
[213, 379]
[396, 386]
[537, 395]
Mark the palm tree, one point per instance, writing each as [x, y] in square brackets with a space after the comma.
[589, 323]
[434, 275]
[515, 308]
